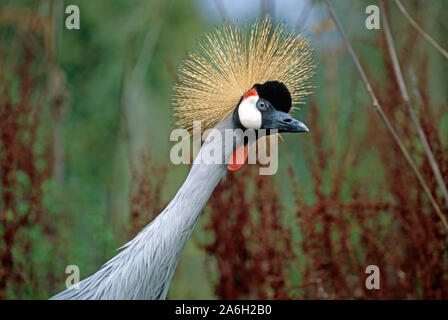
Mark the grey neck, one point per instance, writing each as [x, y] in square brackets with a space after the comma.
[146, 264]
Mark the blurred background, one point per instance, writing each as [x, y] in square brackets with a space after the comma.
[85, 117]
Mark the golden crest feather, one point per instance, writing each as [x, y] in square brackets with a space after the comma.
[230, 61]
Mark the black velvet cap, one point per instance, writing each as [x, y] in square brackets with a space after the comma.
[276, 93]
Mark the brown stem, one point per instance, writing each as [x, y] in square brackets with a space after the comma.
[420, 30]
[378, 108]
[404, 93]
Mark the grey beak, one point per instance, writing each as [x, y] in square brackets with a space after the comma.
[283, 122]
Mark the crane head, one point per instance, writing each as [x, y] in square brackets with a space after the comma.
[263, 70]
[266, 106]
[255, 75]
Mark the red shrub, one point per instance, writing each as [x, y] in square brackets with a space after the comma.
[21, 178]
[251, 245]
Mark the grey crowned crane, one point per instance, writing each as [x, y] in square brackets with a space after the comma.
[240, 78]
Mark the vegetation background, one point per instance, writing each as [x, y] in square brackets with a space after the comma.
[85, 117]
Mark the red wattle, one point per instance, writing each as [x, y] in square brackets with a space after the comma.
[234, 165]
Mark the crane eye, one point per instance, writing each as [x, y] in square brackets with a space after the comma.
[261, 105]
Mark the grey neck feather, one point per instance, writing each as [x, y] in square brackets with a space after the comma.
[146, 264]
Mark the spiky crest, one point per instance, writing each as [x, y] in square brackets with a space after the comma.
[230, 61]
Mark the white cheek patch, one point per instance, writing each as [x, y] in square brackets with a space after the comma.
[250, 116]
